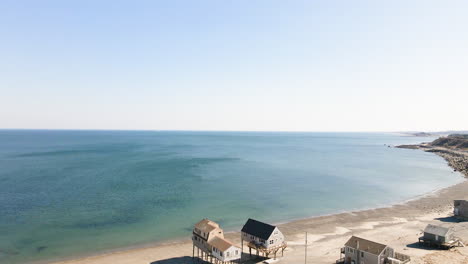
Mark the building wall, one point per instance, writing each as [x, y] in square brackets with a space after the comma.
[201, 243]
[360, 257]
[276, 239]
[249, 238]
[461, 209]
[435, 238]
[230, 254]
[201, 239]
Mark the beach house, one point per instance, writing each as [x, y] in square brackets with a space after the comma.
[264, 238]
[208, 239]
[362, 251]
[438, 236]
[460, 209]
[224, 251]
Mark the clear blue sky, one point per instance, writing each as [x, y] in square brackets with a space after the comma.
[234, 65]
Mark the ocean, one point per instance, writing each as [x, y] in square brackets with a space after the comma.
[71, 193]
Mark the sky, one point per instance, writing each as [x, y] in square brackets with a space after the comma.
[234, 65]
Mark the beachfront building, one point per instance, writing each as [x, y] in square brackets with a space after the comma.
[208, 239]
[438, 236]
[264, 238]
[224, 251]
[362, 251]
[460, 209]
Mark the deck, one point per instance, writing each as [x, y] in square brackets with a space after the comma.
[266, 251]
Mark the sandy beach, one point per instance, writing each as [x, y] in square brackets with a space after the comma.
[398, 226]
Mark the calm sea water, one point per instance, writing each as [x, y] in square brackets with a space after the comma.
[67, 193]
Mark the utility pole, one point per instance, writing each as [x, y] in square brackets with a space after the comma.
[305, 260]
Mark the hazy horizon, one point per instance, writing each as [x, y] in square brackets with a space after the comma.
[291, 66]
[246, 131]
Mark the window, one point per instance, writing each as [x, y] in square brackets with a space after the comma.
[221, 253]
[227, 254]
[362, 254]
[271, 242]
[237, 252]
[252, 237]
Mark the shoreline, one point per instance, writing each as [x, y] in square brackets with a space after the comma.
[339, 226]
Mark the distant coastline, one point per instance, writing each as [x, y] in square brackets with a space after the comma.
[453, 148]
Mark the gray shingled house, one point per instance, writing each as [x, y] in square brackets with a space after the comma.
[460, 209]
[437, 235]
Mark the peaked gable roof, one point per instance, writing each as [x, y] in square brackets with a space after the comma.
[258, 229]
[436, 230]
[221, 243]
[365, 245]
[206, 225]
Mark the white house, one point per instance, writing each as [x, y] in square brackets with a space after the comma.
[224, 250]
[203, 232]
[362, 251]
[208, 239]
[262, 234]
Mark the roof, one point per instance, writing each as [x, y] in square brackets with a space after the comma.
[365, 245]
[436, 230]
[206, 225]
[460, 202]
[258, 229]
[220, 243]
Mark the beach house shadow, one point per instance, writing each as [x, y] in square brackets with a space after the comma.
[246, 259]
[420, 246]
[449, 219]
[179, 260]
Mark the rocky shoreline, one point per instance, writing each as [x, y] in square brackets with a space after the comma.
[456, 157]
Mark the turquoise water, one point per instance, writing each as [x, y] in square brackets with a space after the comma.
[68, 193]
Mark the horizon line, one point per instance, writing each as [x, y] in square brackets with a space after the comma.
[214, 130]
